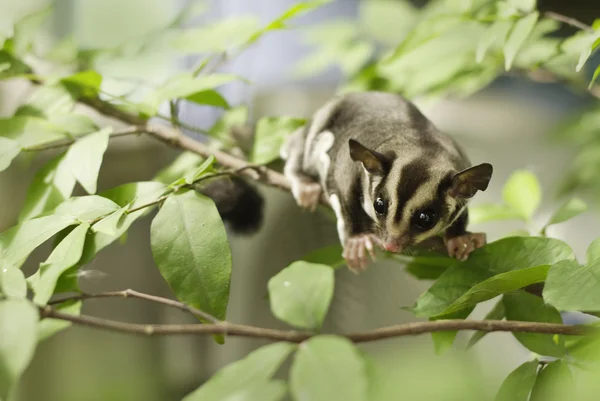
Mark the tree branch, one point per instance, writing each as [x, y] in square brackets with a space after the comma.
[129, 293]
[238, 330]
[568, 20]
[68, 142]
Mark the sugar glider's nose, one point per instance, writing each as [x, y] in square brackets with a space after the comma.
[392, 247]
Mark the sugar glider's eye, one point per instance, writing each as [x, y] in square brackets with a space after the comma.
[380, 206]
[425, 219]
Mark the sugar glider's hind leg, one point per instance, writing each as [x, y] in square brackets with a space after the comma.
[305, 189]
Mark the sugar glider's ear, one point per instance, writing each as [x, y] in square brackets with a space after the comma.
[374, 162]
[467, 182]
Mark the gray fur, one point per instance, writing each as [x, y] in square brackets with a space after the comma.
[421, 160]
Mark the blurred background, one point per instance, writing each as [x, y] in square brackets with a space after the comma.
[507, 124]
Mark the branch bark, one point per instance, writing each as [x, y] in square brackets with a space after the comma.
[238, 330]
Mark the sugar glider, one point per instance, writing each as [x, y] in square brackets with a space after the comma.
[392, 178]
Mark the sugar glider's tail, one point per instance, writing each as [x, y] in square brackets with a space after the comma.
[239, 203]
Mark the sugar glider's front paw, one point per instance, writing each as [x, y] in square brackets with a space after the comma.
[461, 247]
[358, 249]
[307, 193]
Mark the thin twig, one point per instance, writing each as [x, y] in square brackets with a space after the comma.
[238, 330]
[139, 295]
[64, 143]
[569, 21]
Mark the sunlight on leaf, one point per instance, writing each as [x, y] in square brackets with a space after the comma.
[19, 241]
[494, 35]
[84, 158]
[66, 254]
[18, 320]
[51, 185]
[492, 212]
[521, 30]
[9, 149]
[12, 282]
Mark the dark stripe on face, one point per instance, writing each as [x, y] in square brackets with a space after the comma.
[412, 176]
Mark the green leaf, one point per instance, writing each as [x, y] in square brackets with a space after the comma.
[48, 327]
[311, 375]
[16, 67]
[73, 123]
[271, 133]
[522, 306]
[12, 282]
[185, 162]
[236, 116]
[523, 5]
[595, 77]
[186, 85]
[18, 319]
[84, 158]
[443, 340]
[190, 248]
[30, 131]
[83, 84]
[377, 16]
[269, 390]
[209, 98]
[518, 384]
[280, 22]
[502, 256]
[258, 367]
[221, 36]
[200, 171]
[51, 185]
[109, 225]
[85, 208]
[19, 241]
[427, 266]
[46, 101]
[492, 212]
[573, 207]
[26, 29]
[498, 285]
[301, 293]
[522, 192]
[65, 255]
[593, 251]
[554, 383]
[9, 149]
[572, 287]
[496, 313]
[521, 30]
[132, 195]
[586, 52]
[330, 256]
[494, 35]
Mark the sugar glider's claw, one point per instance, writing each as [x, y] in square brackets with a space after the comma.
[460, 247]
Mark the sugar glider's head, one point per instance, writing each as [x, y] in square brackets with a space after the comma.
[413, 200]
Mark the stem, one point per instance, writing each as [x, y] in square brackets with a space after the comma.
[568, 20]
[139, 295]
[65, 143]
